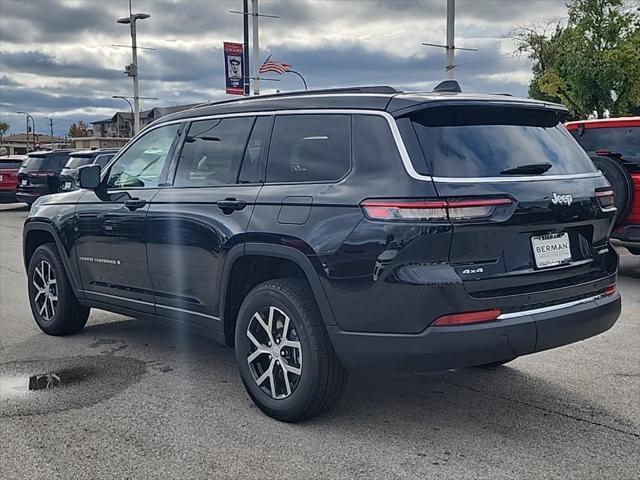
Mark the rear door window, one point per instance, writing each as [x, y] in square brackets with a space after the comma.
[212, 152]
[622, 140]
[485, 142]
[309, 148]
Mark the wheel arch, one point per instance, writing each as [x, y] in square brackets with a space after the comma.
[39, 233]
[281, 261]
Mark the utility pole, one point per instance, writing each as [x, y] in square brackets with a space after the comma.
[451, 19]
[132, 70]
[450, 46]
[256, 47]
[51, 130]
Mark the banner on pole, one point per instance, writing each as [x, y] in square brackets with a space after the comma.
[233, 62]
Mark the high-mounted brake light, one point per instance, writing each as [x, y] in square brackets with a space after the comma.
[467, 318]
[405, 210]
[606, 200]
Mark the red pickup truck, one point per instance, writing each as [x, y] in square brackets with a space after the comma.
[614, 146]
[9, 166]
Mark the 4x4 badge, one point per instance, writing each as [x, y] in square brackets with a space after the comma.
[564, 199]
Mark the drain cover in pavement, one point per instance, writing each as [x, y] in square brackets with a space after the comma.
[53, 385]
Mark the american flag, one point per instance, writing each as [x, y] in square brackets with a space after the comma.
[274, 66]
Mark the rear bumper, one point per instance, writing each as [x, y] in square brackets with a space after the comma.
[7, 196]
[627, 236]
[31, 195]
[439, 348]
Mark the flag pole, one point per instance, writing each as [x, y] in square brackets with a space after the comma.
[245, 47]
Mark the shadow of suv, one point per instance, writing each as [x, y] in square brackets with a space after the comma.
[324, 231]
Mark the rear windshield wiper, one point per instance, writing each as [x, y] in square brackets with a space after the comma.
[530, 169]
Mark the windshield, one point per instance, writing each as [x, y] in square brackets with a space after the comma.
[489, 142]
[77, 162]
[622, 140]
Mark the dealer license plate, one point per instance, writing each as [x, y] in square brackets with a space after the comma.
[551, 249]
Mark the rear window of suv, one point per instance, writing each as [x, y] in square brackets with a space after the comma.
[52, 162]
[485, 141]
[622, 140]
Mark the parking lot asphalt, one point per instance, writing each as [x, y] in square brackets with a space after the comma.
[153, 401]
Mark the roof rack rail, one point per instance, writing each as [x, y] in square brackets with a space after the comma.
[448, 86]
[381, 89]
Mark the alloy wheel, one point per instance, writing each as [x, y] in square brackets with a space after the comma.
[275, 353]
[46, 298]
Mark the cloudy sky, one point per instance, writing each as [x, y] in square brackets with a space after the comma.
[57, 58]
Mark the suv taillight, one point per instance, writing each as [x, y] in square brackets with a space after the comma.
[606, 200]
[432, 210]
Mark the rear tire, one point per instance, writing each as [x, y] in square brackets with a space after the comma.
[621, 182]
[280, 333]
[54, 306]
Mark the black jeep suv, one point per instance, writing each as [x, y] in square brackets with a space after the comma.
[40, 174]
[332, 230]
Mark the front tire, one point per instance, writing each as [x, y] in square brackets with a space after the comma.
[284, 355]
[54, 306]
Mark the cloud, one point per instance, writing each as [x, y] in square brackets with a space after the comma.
[57, 59]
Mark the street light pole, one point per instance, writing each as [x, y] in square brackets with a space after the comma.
[130, 106]
[132, 70]
[256, 47]
[33, 122]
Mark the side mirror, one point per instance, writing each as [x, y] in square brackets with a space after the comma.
[89, 177]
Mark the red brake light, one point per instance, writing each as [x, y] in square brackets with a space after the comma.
[467, 318]
[610, 290]
[606, 200]
[408, 210]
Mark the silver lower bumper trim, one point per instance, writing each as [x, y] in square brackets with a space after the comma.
[550, 308]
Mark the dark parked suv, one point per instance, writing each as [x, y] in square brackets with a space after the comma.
[40, 174]
[69, 174]
[343, 229]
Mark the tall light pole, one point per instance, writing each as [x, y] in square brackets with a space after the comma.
[132, 70]
[256, 47]
[33, 122]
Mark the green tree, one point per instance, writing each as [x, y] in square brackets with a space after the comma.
[4, 128]
[592, 64]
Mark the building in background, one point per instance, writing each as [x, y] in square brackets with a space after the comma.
[120, 125]
[17, 144]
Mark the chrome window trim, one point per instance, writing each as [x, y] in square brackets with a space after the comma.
[550, 308]
[404, 154]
